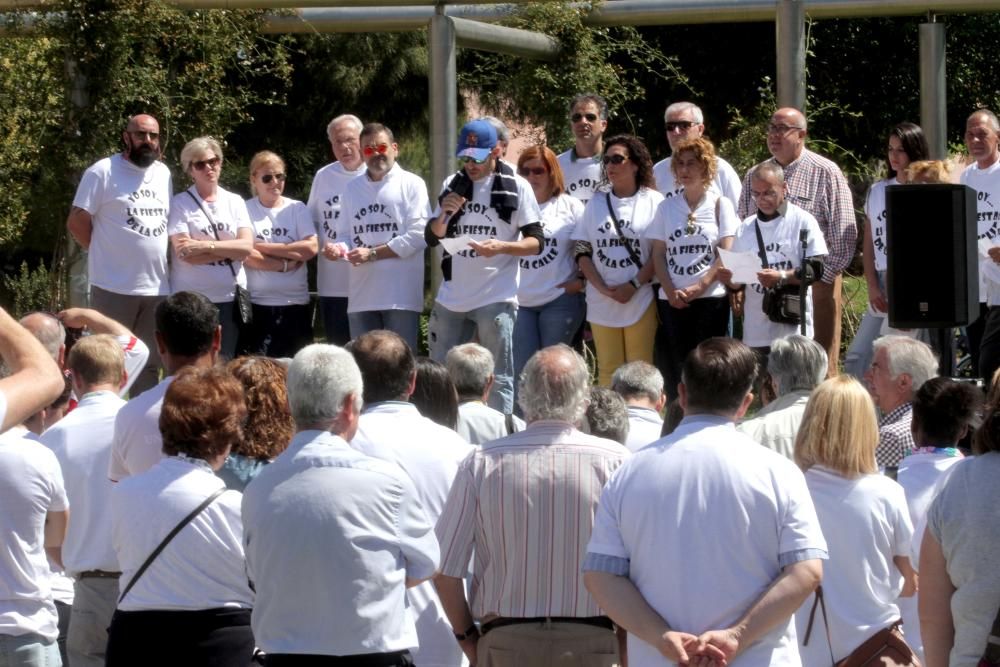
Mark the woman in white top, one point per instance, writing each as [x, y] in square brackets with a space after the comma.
[211, 235]
[550, 297]
[688, 228]
[613, 255]
[284, 240]
[191, 606]
[906, 144]
[864, 519]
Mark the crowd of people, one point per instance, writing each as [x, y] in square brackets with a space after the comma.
[277, 501]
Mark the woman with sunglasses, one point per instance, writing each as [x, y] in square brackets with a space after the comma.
[688, 228]
[614, 256]
[550, 297]
[211, 235]
[284, 240]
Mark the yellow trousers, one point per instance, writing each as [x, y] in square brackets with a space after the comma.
[619, 345]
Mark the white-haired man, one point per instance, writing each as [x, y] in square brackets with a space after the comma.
[542, 485]
[641, 385]
[332, 272]
[350, 527]
[899, 368]
[683, 121]
[471, 369]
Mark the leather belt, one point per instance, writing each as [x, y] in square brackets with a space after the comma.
[98, 574]
[596, 621]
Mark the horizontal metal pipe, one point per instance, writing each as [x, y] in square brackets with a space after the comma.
[375, 19]
[500, 39]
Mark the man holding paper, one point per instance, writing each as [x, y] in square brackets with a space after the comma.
[496, 210]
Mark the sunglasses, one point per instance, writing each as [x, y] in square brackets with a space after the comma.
[267, 178]
[614, 159]
[472, 160]
[674, 125]
[211, 163]
[577, 117]
[381, 149]
[532, 171]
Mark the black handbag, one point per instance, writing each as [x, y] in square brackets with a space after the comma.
[781, 304]
[241, 298]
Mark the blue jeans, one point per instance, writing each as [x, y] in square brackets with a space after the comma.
[335, 326]
[404, 322]
[494, 324]
[540, 326]
[859, 355]
[28, 651]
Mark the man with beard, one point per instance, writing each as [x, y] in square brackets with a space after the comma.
[119, 216]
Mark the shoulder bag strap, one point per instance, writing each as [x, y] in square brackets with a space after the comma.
[618, 228]
[166, 540]
[760, 246]
[818, 601]
[211, 223]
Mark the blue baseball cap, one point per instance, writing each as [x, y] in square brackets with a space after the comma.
[476, 140]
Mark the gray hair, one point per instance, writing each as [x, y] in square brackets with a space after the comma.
[991, 118]
[470, 367]
[766, 170]
[797, 363]
[199, 146]
[503, 134]
[47, 329]
[555, 384]
[681, 107]
[320, 378]
[602, 104]
[910, 356]
[343, 118]
[607, 415]
[638, 379]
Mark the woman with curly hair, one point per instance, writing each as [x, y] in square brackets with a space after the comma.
[613, 255]
[269, 426]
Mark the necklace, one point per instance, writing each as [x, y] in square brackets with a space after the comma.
[691, 228]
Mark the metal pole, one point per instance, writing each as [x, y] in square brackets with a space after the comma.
[933, 91]
[790, 29]
[443, 110]
[500, 39]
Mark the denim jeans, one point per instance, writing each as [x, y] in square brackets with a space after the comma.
[28, 651]
[540, 326]
[494, 324]
[404, 322]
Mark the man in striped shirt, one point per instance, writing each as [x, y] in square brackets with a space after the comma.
[541, 487]
[817, 185]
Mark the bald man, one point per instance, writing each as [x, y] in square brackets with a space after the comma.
[119, 217]
[817, 185]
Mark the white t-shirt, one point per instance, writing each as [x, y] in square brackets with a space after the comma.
[986, 183]
[392, 212]
[137, 444]
[229, 213]
[690, 256]
[726, 181]
[612, 259]
[287, 222]
[781, 241]
[479, 281]
[875, 210]
[542, 274]
[324, 203]
[703, 517]
[582, 176]
[129, 206]
[81, 442]
[31, 485]
[146, 507]
[866, 523]
[430, 454]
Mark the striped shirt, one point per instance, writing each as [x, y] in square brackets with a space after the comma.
[818, 185]
[526, 504]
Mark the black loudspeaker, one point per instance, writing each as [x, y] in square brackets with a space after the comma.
[931, 237]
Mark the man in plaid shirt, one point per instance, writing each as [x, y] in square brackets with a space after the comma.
[817, 185]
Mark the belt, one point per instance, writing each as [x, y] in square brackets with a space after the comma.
[98, 574]
[596, 621]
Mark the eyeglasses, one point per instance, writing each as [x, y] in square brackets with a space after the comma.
[381, 149]
[770, 194]
[674, 125]
[577, 117]
[782, 129]
[267, 178]
[472, 160]
[614, 159]
[211, 163]
[532, 171]
[139, 134]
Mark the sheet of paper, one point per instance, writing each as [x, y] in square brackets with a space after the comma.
[456, 244]
[989, 267]
[744, 265]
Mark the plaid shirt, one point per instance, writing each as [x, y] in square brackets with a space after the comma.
[895, 438]
[817, 185]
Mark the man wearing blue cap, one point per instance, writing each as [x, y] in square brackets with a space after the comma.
[493, 215]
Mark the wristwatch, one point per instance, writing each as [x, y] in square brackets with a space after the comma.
[782, 276]
[471, 631]
[634, 283]
[372, 256]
